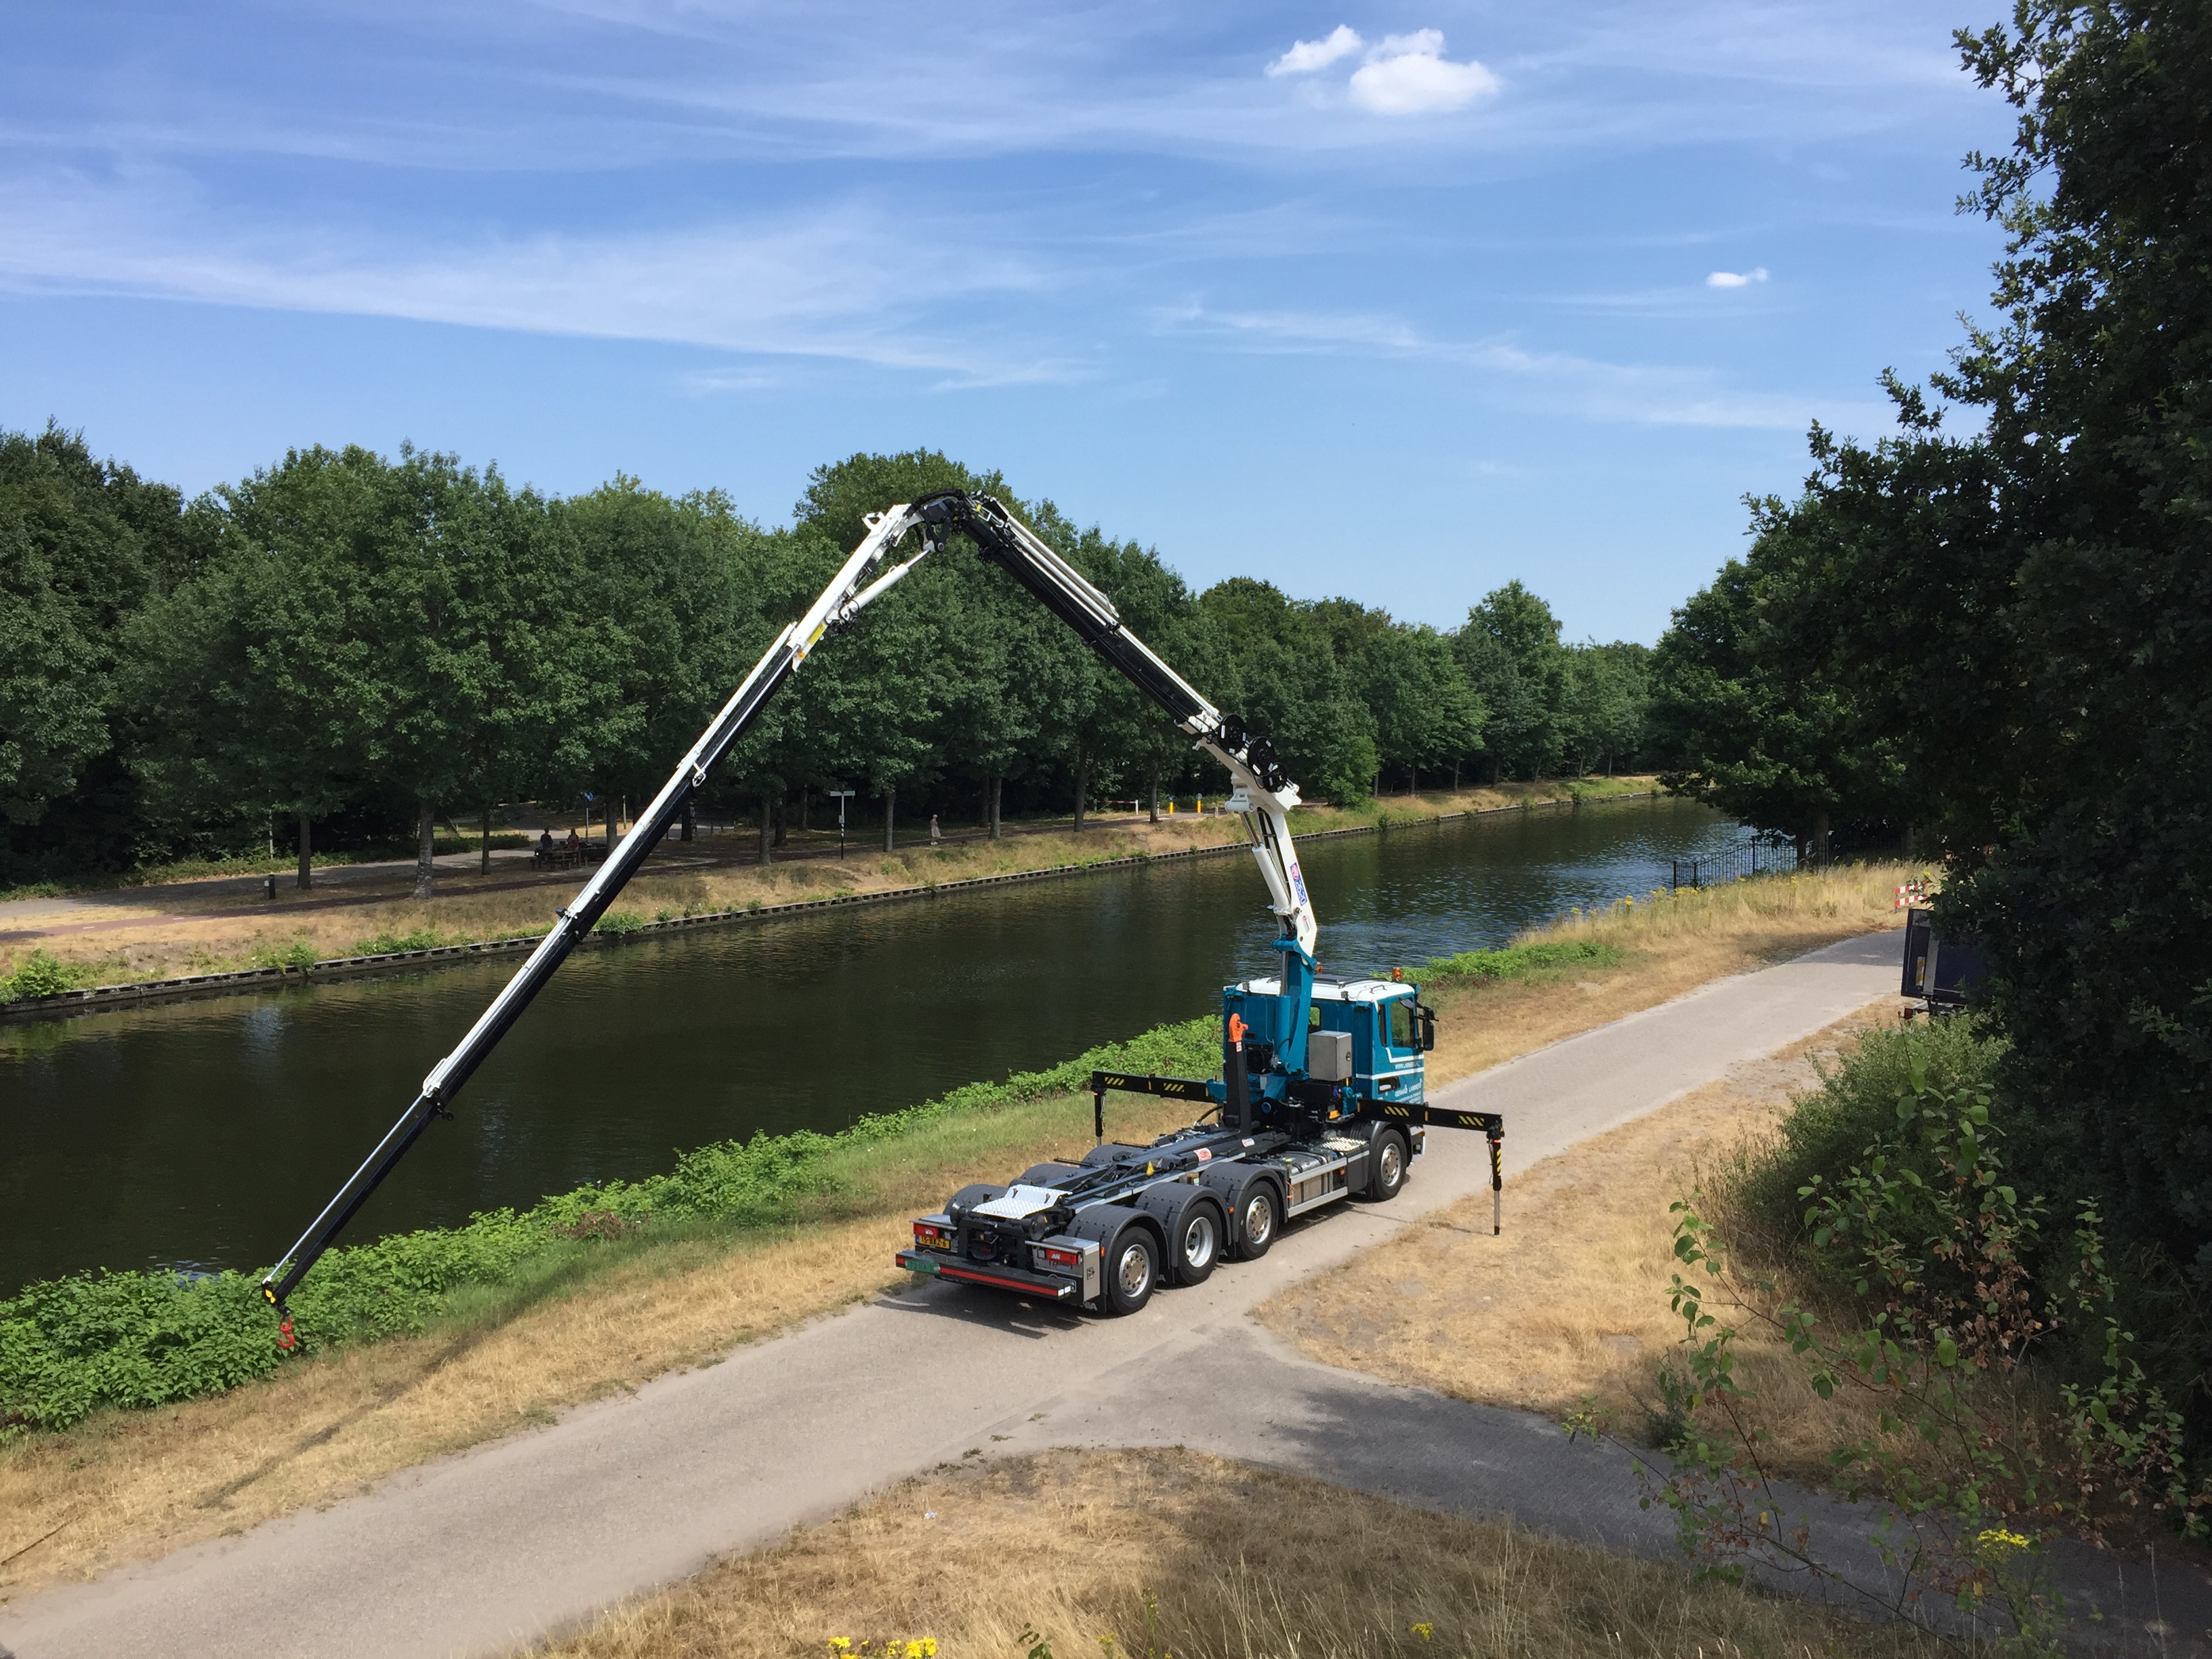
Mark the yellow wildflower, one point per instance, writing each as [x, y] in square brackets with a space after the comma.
[1998, 1541]
[1423, 1630]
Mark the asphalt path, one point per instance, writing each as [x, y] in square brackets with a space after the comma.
[523, 1538]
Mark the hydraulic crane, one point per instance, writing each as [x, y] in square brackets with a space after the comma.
[1308, 1134]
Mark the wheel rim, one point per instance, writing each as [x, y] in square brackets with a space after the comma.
[1391, 1166]
[1259, 1217]
[1134, 1271]
[1198, 1242]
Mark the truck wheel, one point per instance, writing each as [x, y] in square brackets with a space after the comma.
[1196, 1242]
[1386, 1177]
[1133, 1270]
[1259, 1219]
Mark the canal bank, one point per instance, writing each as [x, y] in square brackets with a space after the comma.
[623, 924]
[619, 1308]
[201, 1134]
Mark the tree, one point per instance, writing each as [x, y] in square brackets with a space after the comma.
[1427, 712]
[83, 546]
[1510, 650]
[1608, 690]
[1281, 675]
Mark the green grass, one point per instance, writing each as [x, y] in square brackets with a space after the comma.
[1520, 961]
[102, 1340]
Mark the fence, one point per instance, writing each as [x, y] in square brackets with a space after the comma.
[1749, 858]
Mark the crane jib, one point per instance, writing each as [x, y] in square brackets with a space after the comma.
[1006, 542]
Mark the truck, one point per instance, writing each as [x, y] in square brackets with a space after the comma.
[1322, 1096]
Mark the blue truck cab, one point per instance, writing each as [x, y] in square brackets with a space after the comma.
[1360, 1042]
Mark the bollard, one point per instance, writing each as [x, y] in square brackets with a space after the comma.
[269, 887]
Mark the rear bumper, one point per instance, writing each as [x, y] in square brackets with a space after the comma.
[999, 1276]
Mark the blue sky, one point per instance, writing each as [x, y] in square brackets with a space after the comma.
[1396, 301]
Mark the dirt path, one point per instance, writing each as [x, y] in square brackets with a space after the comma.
[533, 1533]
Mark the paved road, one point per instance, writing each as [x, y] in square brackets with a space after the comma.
[527, 1536]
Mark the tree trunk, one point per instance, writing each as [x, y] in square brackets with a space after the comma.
[1455, 777]
[426, 847]
[691, 829]
[306, 852]
[804, 804]
[1155, 795]
[1081, 763]
[767, 832]
[1820, 836]
[1413, 780]
[890, 811]
[483, 852]
[783, 820]
[997, 785]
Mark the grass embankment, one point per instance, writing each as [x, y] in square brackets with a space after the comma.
[1153, 1553]
[1571, 1299]
[608, 1305]
[161, 934]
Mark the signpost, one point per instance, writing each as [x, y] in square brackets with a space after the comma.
[843, 795]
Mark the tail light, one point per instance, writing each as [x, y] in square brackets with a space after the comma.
[928, 1236]
[1051, 1256]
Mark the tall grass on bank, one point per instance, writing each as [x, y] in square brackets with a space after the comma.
[73, 1346]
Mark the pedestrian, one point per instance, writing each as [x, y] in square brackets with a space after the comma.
[934, 836]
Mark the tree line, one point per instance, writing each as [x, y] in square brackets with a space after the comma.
[1997, 638]
[346, 648]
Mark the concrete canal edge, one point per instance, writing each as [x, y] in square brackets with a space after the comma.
[243, 981]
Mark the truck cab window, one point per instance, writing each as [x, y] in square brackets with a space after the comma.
[1401, 1022]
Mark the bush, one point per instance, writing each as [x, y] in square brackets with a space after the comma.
[621, 923]
[1831, 1129]
[70, 1346]
[42, 975]
[384, 944]
[1516, 961]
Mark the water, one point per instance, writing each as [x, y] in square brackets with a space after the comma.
[206, 1135]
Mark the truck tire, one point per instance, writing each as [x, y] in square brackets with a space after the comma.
[1123, 1233]
[1132, 1270]
[1388, 1161]
[1196, 1226]
[1259, 1217]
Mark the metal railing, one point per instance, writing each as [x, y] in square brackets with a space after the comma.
[1749, 858]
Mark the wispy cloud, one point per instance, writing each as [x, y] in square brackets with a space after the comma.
[1641, 393]
[848, 281]
[1736, 278]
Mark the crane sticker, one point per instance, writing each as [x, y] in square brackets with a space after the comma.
[1298, 882]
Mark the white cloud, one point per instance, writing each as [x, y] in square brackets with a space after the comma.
[1306, 56]
[1736, 278]
[1409, 74]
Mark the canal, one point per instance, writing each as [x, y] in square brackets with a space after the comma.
[205, 1134]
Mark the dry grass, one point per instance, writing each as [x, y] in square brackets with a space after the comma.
[164, 938]
[1243, 1563]
[126, 1485]
[1571, 1301]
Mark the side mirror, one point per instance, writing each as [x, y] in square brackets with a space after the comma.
[1428, 1019]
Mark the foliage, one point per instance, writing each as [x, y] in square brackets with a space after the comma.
[1829, 1128]
[1517, 961]
[2000, 637]
[1971, 1472]
[41, 974]
[70, 1346]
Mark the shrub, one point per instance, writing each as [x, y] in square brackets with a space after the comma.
[381, 945]
[41, 974]
[70, 1346]
[1830, 1129]
[1516, 961]
[620, 923]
